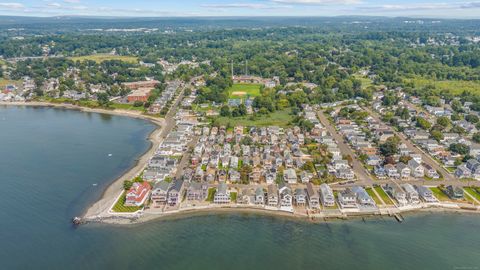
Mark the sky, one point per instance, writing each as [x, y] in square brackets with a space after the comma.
[173, 8]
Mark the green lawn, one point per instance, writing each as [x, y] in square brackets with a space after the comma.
[383, 195]
[127, 107]
[439, 194]
[473, 191]
[455, 87]
[280, 118]
[119, 207]
[105, 57]
[366, 82]
[233, 196]
[374, 196]
[211, 194]
[242, 90]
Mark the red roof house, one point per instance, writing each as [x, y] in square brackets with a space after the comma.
[137, 194]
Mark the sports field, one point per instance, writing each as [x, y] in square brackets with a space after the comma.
[244, 90]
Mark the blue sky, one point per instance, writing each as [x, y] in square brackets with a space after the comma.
[167, 8]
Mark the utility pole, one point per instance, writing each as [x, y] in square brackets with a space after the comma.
[232, 69]
[246, 67]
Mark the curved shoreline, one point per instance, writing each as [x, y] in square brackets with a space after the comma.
[110, 193]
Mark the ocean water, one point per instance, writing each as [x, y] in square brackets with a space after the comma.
[50, 160]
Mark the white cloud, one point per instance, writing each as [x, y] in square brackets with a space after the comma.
[54, 5]
[237, 5]
[317, 2]
[12, 5]
[71, 1]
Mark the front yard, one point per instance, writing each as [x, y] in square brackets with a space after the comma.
[121, 208]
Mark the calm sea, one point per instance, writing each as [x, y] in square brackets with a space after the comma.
[54, 163]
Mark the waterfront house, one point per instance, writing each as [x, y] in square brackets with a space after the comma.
[246, 197]
[137, 194]
[362, 196]
[411, 194]
[259, 196]
[396, 192]
[347, 199]
[286, 196]
[426, 194]
[221, 196]
[313, 197]
[290, 176]
[454, 192]
[326, 195]
[300, 197]
[272, 193]
[160, 193]
[196, 191]
[175, 192]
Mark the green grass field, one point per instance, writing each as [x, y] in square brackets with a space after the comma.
[453, 86]
[473, 191]
[243, 90]
[374, 196]
[439, 194]
[233, 196]
[127, 107]
[105, 57]
[383, 195]
[366, 82]
[119, 207]
[278, 118]
[211, 194]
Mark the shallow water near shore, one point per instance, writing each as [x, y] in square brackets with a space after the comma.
[51, 158]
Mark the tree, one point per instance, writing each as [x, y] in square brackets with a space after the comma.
[405, 159]
[225, 111]
[443, 121]
[437, 135]
[472, 118]
[422, 123]
[390, 147]
[127, 184]
[456, 106]
[459, 148]
[476, 137]
[102, 99]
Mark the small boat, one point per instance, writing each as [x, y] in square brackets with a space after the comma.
[110, 155]
[94, 184]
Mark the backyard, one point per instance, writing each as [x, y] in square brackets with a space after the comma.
[119, 205]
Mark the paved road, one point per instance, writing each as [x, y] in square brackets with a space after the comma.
[425, 157]
[360, 171]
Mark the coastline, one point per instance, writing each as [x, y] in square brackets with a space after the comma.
[99, 211]
[109, 195]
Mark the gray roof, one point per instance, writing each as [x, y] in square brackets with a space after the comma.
[162, 185]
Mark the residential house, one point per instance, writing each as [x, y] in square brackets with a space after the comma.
[221, 196]
[197, 191]
[313, 197]
[286, 196]
[290, 176]
[272, 195]
[416, 168]
[411, 194]
[455, 192]
[347, 199]
[300, 197]
[326, 195]
[392, 171]
[426, 194]
[430, 171]
[463, 172]
[259, 196]
[137, 194]
[363, 198]
[345, 173]
[175, 192]
[396, 192]
[160, 193]
[403, 170]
